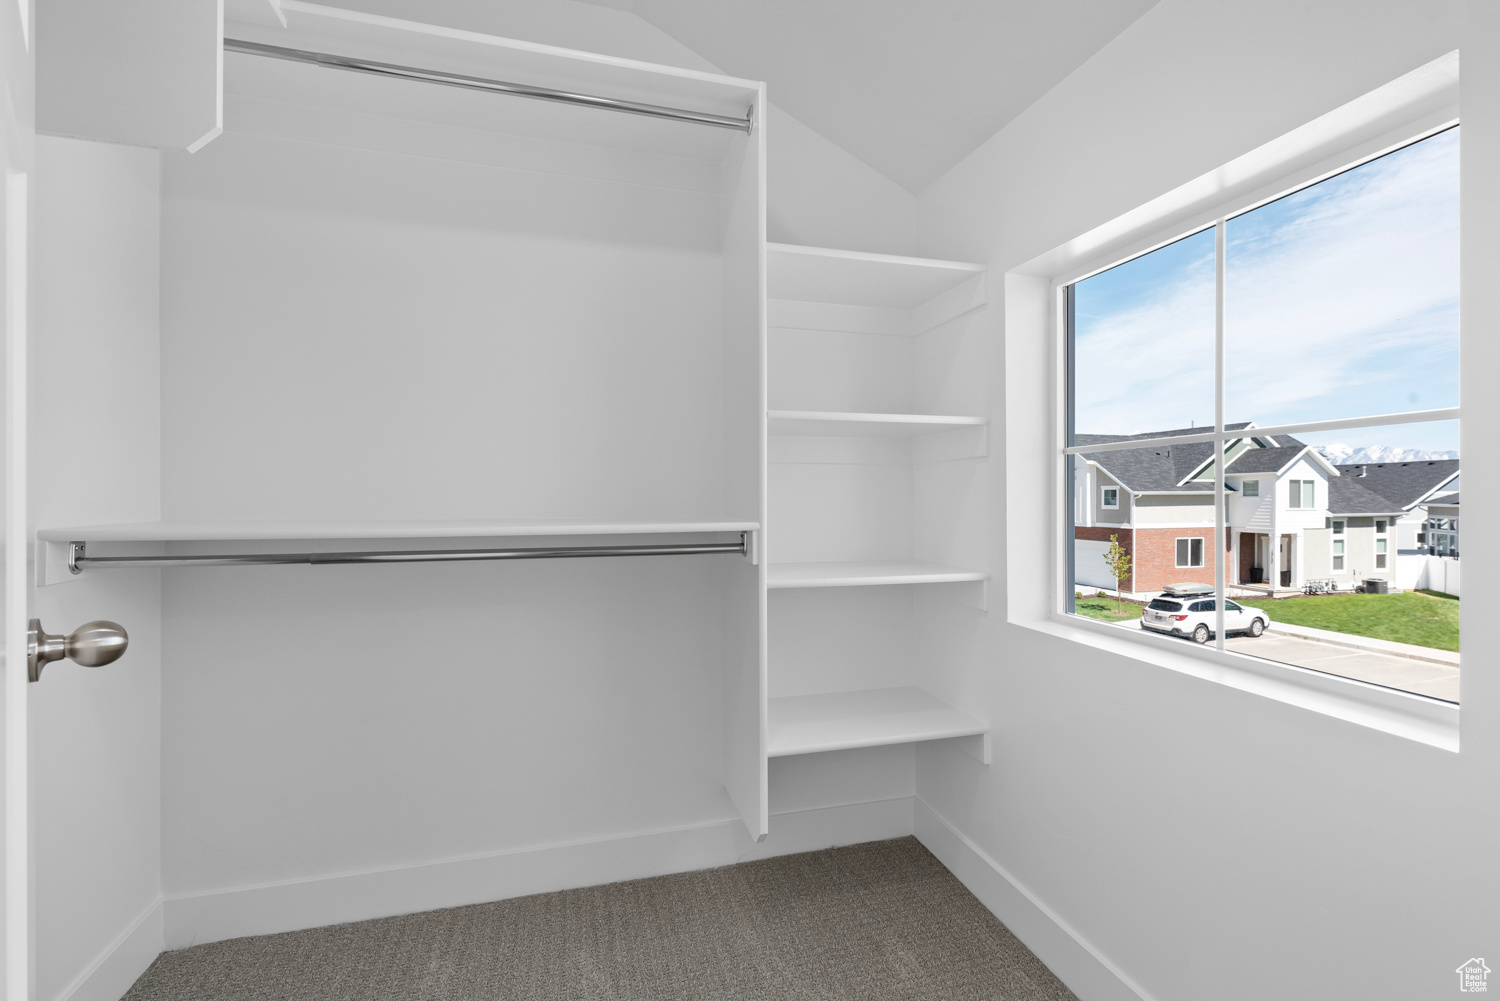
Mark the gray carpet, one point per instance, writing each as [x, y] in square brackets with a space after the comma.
[868, 922]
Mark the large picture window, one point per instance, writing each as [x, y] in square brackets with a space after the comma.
[1311, 341]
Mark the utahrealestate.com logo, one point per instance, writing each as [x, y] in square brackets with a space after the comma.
[1472, 975]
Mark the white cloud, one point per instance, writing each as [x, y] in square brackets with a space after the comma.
[1347, 308]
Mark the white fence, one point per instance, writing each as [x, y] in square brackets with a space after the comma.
[1436, 573]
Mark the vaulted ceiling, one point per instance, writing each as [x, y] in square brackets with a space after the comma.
[908, 86]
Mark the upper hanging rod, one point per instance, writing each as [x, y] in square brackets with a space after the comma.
[482, 83]
[79, 560]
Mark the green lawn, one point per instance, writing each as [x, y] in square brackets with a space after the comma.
[1104, 608]
[1424, 619]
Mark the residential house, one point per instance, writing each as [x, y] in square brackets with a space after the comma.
[1292, 515]
[1439, 535]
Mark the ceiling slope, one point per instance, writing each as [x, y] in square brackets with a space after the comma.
[908, 87]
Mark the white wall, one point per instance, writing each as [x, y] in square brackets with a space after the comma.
[817, 193]
[95, 449]
[1201, 840]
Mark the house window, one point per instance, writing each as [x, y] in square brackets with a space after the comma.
[1111, 497]
[1254, 306]
[1190, 552]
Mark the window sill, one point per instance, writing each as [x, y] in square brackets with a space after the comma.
[1414, 717]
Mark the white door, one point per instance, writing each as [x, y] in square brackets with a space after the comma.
[15, 167]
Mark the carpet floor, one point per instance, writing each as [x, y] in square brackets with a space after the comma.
[866, 922]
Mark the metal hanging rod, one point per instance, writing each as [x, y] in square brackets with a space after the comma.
[79, 560]
[488, 85]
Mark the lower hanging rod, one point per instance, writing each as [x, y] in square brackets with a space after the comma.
[79, 560]
[488, 85]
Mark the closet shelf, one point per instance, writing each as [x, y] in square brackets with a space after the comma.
[817, 274]
[841, 425]
[860, 574]
[804, 724]
[272, 531]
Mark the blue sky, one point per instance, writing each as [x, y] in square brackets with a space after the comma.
[1341, 301]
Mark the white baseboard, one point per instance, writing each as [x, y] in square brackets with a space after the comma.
[110, 975]
[262, 910]
[1087, 972]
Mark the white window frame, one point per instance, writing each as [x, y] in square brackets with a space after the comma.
[1304, 487]
[1337, 557]
[1250, 488]
[1202, 551]
[1104, 503]
[1413, 107]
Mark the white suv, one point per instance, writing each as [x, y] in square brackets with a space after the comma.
[1188, 610]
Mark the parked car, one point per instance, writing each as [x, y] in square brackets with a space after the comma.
[1183, 611]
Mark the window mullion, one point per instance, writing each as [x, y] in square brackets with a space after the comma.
[1220, 501]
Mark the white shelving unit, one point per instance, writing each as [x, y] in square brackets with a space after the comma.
[848, 440]
[861, 574]
[825, 424]
[847, 277]
[837, 721]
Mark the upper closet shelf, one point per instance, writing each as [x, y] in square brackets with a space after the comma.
[815, 274]
[276, 531]
[858, 574]
[832, 424]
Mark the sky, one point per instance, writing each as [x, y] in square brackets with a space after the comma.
[1341, 300]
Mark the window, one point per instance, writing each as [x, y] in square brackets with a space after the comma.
[1339, 299]
[1111, 497]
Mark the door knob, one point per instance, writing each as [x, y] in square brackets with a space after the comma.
[92, 644]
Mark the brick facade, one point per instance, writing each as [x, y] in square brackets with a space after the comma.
[1156, 558]
[1153, 555]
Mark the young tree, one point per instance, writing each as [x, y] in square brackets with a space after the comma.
[1118, 561]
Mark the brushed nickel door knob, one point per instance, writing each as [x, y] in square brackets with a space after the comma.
[92, 644]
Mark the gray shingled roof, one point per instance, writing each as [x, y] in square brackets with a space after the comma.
[1154, 469]
[1386, 487]
[1264, 460]
[1447, 500]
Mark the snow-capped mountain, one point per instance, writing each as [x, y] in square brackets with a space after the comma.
[1341, 455]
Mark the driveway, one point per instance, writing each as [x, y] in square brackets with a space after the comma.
[1438, 681]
